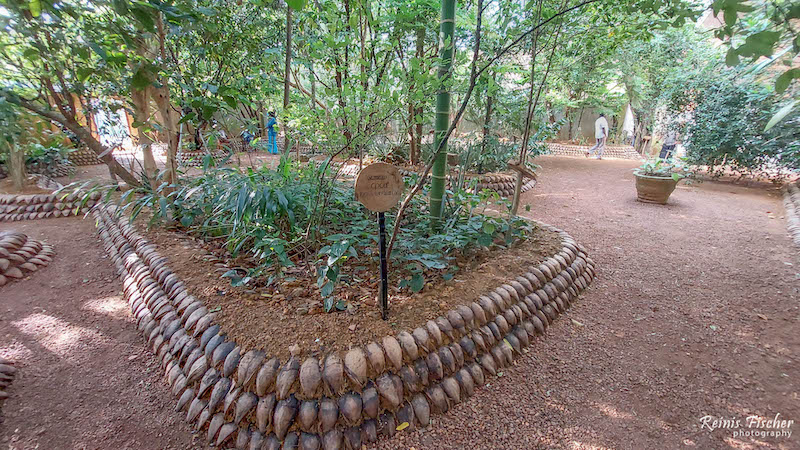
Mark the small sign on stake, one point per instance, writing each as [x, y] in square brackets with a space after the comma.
[379, 187]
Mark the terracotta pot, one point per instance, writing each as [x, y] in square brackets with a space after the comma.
[651, 189]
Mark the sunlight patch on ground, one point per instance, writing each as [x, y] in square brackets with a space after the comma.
[15, 351]
[613, 412]
[59, 336]
[584, 446]
[111, 306]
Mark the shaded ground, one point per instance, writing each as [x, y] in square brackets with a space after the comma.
[85, 378]
[694, 313]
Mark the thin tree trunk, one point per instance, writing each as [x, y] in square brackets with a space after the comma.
[417, 111]
[287, 72]
[442, 122]
[411, 138]
[488, 118]
[16, 166]
[531, 110]
[162, 98]
[313, 85]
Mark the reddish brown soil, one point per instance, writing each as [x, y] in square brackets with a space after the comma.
[694, 313]
[7, 187]
[85, 378]
[264, 319]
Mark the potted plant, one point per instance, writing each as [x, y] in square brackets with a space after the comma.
[657, 178]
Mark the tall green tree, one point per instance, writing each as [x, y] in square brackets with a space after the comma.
[442, 117]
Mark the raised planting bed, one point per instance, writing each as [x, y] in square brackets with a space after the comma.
[83, 156]
[502, 183]
[7, 374]
[20, 256]
[791, 203]
[42, 206]
[195, 159]
[611, 151]
[241, 395]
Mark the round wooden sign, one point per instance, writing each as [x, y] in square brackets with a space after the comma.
[379, 187]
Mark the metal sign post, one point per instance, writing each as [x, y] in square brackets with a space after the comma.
[379, 187]
[383, 301]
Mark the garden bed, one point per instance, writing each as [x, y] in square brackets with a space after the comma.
[336, 399]
[273, 321]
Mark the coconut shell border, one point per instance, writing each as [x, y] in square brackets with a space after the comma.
[502, 183]
[21, 256]
[791, 203]
[42, 206]
[251, 400]
[610, 151]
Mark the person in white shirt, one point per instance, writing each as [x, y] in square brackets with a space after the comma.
[601, 135]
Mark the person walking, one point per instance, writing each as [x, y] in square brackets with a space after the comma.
[272, 135]
[601, 135]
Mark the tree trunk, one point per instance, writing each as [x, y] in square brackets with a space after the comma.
[141, 111]
[488, 118]
[83, 134]
[16, 166]
[313, 85]
[412, 154]
[287, 73]
[442, 122]
[162, 98]
[416, 112]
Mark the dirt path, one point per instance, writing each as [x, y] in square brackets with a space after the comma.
[694, 313]
[85, 379]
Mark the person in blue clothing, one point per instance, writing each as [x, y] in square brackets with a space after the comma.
[272, 144]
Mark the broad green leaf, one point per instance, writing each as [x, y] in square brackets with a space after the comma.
[488, 228]
[328, 303]
[140, 80]
[35, 6]
[230, 101]
[783, 112]
[759, 44]
[730, 16]
[785, 79]
[296, 5]
[731, 58]
[417, 282]
[145, 17]
[327, 289]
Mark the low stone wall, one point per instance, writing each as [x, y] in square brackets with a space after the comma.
[501, 183]
[251, 400]
[60, 170]
[21, 256]
[611, 151]
[84, 157]
[791, 202]
[195, 159]
[41, 206]
[7, 374]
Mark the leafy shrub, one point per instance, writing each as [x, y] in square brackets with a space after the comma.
[46, 159]
[282, 217]
[727, 129]
[664, 168]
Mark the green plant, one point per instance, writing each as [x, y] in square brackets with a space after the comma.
[46, 160]
[266, 214]
[727, 129]
[676, 169]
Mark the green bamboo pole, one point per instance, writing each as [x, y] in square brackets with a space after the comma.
[442, 123]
